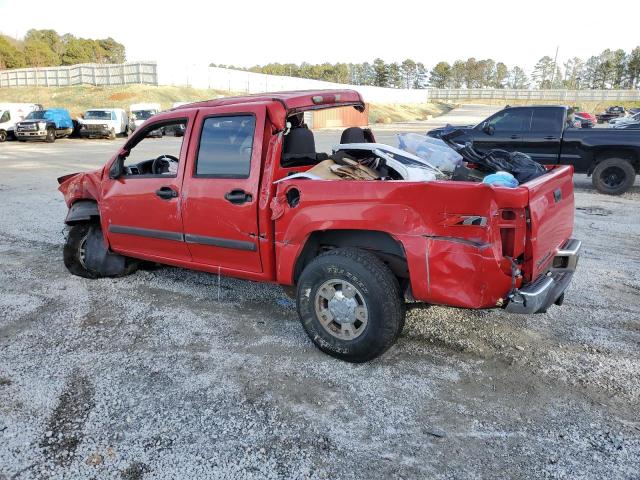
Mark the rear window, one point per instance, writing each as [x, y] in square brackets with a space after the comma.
[547, 119]
[225, 148]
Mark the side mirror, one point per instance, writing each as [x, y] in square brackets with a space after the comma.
[117, 168]
[488, 129]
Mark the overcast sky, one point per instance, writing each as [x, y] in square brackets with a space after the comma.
[243, 32]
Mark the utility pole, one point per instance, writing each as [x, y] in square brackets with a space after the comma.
[555, 66]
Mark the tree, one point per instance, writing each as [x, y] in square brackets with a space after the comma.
[114, 52]
[457, 74]
[408, 71]
[500, 75]
[518, 79]
[381, 73]
[573, 73]
[421, 76]
[10, 56]
[77, 50]
[633, 68]
[471, 77]
[440, 75]
[619, 69]
[39, 54]
[543, 72]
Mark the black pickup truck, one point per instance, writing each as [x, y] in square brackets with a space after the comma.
[610, 155]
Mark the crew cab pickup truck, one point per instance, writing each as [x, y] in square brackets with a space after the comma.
[223, 199]
[611, 156]
[45, 125]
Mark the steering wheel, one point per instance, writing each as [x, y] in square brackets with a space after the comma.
[156, 166]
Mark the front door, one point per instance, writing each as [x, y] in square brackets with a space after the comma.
[505, 130]
[142, 209]
[221, 189]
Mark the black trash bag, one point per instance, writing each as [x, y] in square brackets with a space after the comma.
[519, 164]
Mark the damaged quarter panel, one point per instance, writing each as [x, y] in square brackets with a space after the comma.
[449, 231]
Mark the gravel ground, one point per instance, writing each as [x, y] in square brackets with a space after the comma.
[166, 374]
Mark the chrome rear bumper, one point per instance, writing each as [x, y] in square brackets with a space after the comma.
[549, 288]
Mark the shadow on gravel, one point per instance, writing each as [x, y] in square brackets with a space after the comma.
[65, 426]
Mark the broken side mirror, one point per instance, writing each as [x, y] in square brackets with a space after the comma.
[488, 128]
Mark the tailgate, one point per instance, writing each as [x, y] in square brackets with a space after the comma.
[551, 212]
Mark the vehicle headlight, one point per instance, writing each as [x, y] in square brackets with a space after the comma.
[42, 125]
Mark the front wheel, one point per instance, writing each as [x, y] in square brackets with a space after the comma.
[614, 176]
[51, 135]
[75, 250]
[112, 134]
[350, 305]
[3, 136]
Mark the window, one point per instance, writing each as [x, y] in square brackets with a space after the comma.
[547, 120]
[6, 116]
[511, 120]
[225, 148]
[158, 153]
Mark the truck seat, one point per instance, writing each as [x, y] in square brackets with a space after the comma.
[299, 149]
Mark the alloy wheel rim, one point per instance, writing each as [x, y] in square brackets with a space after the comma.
[341, 309]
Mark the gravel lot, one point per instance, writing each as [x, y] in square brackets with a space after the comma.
[164, 374]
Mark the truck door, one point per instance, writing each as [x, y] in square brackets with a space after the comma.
[141, 210]
[505, 129]
[544, 139]
[221, 188]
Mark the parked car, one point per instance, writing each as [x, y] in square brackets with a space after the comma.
[141, 112]
[354, 249]
[629, 126]
[610, 113]
[612, 157]
[104, 123]
[10, 114]
[45, 125]
[618, 122]
[586, 119]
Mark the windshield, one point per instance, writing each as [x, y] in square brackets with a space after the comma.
[143, 114]
[97, 115]
[39, 115]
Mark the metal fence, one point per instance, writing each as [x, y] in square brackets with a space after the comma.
[82, 74]
[565, 96]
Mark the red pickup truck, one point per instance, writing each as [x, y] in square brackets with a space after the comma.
[219, 200]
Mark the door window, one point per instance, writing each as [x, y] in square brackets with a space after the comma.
[157, 153]
[225, 147]
[546, 120]
[515, 120]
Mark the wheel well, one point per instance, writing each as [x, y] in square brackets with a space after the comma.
[623, 153]
[381, 244]
[82, 211]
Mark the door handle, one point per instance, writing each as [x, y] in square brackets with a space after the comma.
[550, 137]
[238, 196]
[166, 193]
[514, 137]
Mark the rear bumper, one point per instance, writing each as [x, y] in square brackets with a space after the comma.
[548, 288]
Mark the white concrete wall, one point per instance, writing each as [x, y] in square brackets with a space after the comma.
[249, 82]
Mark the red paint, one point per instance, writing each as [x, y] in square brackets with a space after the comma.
[449, 262]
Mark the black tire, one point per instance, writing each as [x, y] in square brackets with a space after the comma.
[375, 285]
[51, 135]
[613, 176]
[72, 251]
[112, 134]
[3, 136]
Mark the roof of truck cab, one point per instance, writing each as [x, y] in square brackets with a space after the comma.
[292, 101]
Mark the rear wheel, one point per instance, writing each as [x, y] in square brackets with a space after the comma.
[3, 136]
[350, 305]
[614, 176]
[51, 135]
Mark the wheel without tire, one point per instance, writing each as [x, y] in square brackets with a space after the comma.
[51, 135]
[614, 176]
[3, 136]
[350, 304]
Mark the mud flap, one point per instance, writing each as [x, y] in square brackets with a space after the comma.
[99, 259]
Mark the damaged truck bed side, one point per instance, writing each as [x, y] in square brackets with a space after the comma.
[354, 249]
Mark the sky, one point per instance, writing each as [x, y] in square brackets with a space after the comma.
[248, 32]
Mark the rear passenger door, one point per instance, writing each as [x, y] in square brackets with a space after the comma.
[544, 139]
[221, 188]
[506, 130]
